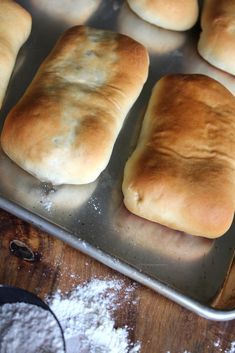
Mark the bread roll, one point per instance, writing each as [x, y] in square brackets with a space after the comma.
[15, 27]
[195, 64]
[217, 40]
[178, 15]
[182, 173]
[157, 40]
[64, 128]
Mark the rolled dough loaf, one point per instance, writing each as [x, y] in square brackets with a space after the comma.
[64, 128]
[182, 172]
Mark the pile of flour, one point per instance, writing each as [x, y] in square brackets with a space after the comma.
[85, 314]
[26, 328]
[86, 318]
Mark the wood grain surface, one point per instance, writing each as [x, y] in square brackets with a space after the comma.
[159, 324]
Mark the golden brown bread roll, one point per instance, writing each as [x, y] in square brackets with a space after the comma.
[182, 173]
[195, 64]
[64, 128]
[15, 27]
[217, 40]
[155, 39]
[178, 15]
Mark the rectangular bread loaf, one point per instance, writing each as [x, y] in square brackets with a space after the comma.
[182, 172]
[64, 128]
[15, 27]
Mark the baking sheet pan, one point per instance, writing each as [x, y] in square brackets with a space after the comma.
[189, 270]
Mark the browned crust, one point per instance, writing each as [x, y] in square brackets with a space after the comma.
[183, 170]
[217, 40]
[177, 15]
[64, 128]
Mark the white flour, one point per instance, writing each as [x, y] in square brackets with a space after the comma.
[85, 314]
[232, 348]
[22, 330]
[86, 318]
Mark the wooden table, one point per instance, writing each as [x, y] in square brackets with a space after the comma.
[161, 325]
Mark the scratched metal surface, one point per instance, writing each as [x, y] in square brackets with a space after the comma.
[92, 218]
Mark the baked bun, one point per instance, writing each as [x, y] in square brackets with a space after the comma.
[179, 15]
[64, 128]
[195, 64]
[15, 27]
[182, 172]
[157, 40]
[217, 40]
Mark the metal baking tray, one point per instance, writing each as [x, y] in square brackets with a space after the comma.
[191, 271]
